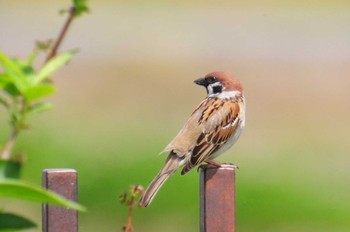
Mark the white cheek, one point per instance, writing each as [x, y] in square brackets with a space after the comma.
[230, 94]
[210, 90]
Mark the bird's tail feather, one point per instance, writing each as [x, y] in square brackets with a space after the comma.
[171, 165]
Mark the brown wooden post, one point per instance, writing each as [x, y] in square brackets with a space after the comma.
[55, 218]
[217, 198]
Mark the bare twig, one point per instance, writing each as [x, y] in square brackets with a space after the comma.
[63, 32]
[135, 192]
[17, 126]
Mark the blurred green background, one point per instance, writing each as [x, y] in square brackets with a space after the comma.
[130, 90]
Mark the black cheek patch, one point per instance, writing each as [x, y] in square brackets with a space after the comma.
[217, 89]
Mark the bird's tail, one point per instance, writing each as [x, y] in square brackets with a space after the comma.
[171, 165]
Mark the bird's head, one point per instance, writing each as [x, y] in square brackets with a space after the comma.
[220, 84]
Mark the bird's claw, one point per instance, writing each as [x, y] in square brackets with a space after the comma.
[211, 163]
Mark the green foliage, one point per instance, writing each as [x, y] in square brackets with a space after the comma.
[12, 222]
[24, 88]
[80, 7]
[10, 169]
[17, 189]
[21, 190]
[52, 65]
[36, 108]
[22, 92]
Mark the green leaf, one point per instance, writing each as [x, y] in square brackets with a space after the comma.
[38, 91]
[40, 107]
[44, 45]
[10, 169]
[11, 90]
[31, 58]
[7, 85]
[52, 65]
[80, 7]
[25, 191]
[9, 221]
[4, 80]
[15, 72]
[25, 67]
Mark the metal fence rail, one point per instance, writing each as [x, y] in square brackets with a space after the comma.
[217, 200]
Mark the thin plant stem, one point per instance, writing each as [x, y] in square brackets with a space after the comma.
[62, 34]
[128, 227]
[135, 191]
[6, 152]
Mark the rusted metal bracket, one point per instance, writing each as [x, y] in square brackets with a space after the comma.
[217, 198]
[54, 218]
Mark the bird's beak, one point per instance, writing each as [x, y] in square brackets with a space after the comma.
[200, 81]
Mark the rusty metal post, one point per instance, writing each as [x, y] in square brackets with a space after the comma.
[54, 218]
[217, 199]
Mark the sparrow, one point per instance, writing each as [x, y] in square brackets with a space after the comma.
[213, 127]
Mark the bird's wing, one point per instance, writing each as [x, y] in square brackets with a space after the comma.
[186, 139]
[219, 120]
